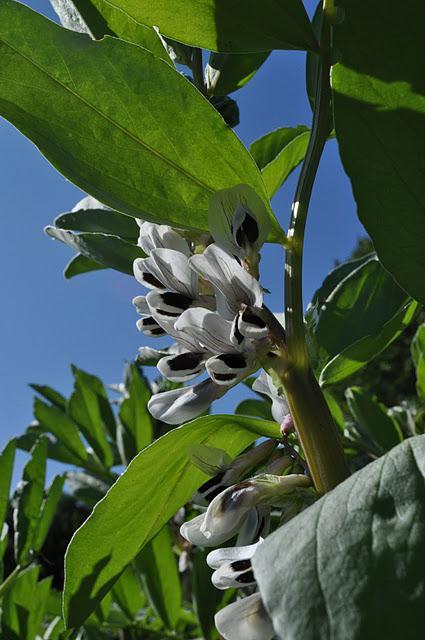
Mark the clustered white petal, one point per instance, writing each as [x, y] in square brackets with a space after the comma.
[241, 509]
[207, 302]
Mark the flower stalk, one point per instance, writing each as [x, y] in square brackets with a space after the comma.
[314, 424]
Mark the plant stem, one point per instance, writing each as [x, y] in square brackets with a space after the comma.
[7, 583]
[198, 70]
[316, 429]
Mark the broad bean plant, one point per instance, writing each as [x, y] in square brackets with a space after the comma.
[299, 516]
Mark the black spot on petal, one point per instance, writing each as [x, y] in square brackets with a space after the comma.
[224, 377]
[251, 318]
[150, 279]
[236, 332]
[185, 361]
[233, 360]
[176, 300]
[250, 228]
[245, 578]
[159, 331]
[241, 565]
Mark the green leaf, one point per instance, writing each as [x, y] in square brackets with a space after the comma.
[158, 565]
[352, 566]
[357, 320]
[99, 18]
[109, 251]
[24, 605]
[50, 394]
[278, 153]
[226, 72]
[55, 449]
[418, 356]
[122, 125]
[91, 216]
[7, 459]
[206, 598]
[379, 108]
[133, 413]
[373, 421]
[158, 481]
[28, 500]
[55, 421]
[254, 408]
[47, 511]
[127, 593]
[89, 407]
[80, 264]
[227, 27]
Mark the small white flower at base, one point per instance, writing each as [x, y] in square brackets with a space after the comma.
[232, 566]
[194, 531]
[245, 619]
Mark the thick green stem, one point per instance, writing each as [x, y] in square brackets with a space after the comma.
[316, 429]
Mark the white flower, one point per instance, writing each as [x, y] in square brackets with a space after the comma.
[280, 409]
[238, 220]
[232, 566]
[202, 334]
[245, 619]
[233, 285]
[226, 472]
[229, 510]
[160, 236]
[181, 405]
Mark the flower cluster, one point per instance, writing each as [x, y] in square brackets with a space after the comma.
[241, 506]
[208, 300]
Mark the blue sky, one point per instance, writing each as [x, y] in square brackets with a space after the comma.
[48, 323]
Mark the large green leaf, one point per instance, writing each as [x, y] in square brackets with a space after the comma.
[7, 459]
[361, 316]
[80, 264]
[373, 422]
[418, 355]
[379, 105]
[109, 251]
[99, 18]
[86, 216]
[228, 72]
[158, 565]
[89, 407]
[255, 408]
[220, 25]
[278, 153]
[58, 423]
[24, 605]
[55, 449]
[122, 124]
[352, 566]
[158, 481]
[28, 500]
